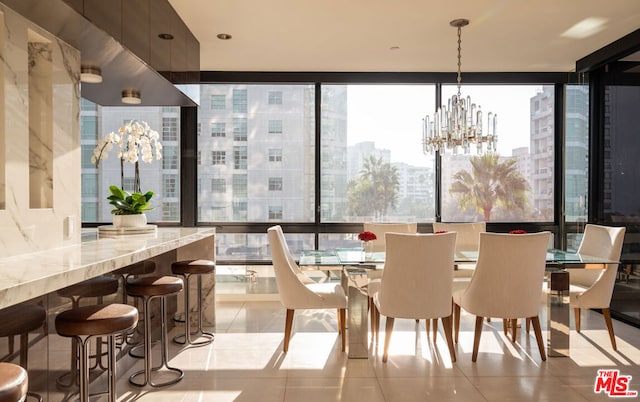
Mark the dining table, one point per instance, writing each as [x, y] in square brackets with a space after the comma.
[357, 266]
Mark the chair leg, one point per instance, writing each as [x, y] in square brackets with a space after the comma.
[342, 313]
[427, 323]
[456, 322]
[371, 315]
[576, 313]
[435, 329]
[476, 338]
[514, 327]
[287, 329]
[536, 329]
[528, 324]
[339, 323]
[607, 319]
[376, 322]
[505, 326]
[387, 338]
[446, 324]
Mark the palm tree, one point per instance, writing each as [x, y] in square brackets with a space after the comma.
[490, 183]
[375, 191]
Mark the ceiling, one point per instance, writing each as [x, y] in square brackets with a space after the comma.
[362, 35]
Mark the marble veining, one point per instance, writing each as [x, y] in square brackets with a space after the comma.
[25, 230]
[30, 275]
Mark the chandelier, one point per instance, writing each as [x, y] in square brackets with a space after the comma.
[459, 123]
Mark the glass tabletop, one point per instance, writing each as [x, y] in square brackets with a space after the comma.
[355, 256]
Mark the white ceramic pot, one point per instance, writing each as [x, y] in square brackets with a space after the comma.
[130, 221]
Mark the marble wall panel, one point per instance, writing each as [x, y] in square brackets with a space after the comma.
[24, 229]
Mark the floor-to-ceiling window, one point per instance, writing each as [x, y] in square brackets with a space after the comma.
[162, 176]
[515, 183]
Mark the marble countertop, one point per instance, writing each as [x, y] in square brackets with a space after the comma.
[26, 276]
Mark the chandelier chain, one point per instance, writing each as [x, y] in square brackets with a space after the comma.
[459, 59]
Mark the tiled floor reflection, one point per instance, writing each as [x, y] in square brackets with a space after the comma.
[246, 363]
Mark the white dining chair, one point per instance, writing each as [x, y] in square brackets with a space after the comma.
[296, 294]
[380, 229]
[593, 288]
[416, 282]
[507, 282]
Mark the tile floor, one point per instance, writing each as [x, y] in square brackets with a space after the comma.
[246, 363]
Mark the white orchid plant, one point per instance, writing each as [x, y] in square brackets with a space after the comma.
[135, 141]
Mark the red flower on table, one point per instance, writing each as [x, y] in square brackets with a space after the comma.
[518, 231]
[440, 231]
[366, 236]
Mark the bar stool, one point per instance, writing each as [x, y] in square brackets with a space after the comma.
[20, 320]
[186, 269]
[140, 268]
[83, 323]
[148, 288]
[97, 287]
[13, 383]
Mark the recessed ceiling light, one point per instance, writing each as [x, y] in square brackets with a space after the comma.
[131, 97]
[223, 36]
[165, 36]
[90, 75]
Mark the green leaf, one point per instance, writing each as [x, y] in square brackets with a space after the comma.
[117, 191]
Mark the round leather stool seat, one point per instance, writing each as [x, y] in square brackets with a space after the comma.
[13, 382]
[193, 267]
[154, 286]
[21, 318]
[95, 287]
[102, 319]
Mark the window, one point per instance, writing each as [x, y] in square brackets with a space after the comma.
[87, 106]
[170, 185]
[361, 155]
[169, 129]
[170, 211]
[89, 128]
[239, 157]
[275, 97]
[275, 155]
[219, 213]
[275, 126]
[516, 183]
[218, 186]
[239, 101]
[240, 211]
[169, 157]
[218, 157]
[240, 129]
[275, 183]
[218, 130]
[86, 154]
[218, 102]
[89, 184]
[128, 184]
[239, 185]
[89, 211]
[288, 157]
[153, 176]
[275, 212]
[576, 167]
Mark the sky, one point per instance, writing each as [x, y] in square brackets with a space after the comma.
[391, 115]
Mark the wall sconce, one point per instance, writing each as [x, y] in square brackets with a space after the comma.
[90, 75]
[131, 97]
